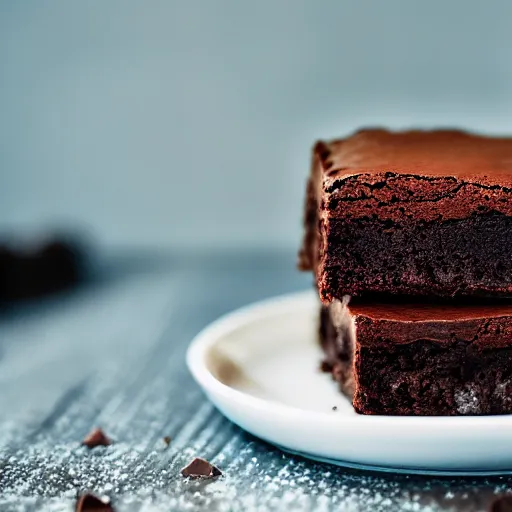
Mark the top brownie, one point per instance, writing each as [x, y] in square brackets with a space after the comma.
[410, 213]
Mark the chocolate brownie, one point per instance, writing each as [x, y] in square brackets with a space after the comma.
[32, 270]
[411, 213]
[420, 359]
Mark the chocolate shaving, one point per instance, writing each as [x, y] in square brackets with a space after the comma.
[200, 468]
[96, 438]
[167, 440]
[325, 367]
[91, 503]
[502, 504]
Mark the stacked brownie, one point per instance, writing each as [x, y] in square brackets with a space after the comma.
[409, 236]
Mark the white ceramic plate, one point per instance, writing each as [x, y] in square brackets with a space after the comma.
[259, 366]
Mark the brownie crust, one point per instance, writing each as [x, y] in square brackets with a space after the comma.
[420, 360]
[412, 213]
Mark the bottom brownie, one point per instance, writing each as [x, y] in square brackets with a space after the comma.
[420, 360]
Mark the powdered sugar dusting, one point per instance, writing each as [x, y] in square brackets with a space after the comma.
[255, 478]
[503, 391]
[467, 400]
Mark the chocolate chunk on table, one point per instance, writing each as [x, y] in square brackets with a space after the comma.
[91, 503]
[200, 468]
[96, 438]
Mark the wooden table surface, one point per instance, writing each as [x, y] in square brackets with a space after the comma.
[111, 354]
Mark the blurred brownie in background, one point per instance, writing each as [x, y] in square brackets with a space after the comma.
[29, 269]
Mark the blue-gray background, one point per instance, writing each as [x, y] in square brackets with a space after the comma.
[189, 123]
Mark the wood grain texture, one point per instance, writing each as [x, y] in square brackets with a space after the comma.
[111, 354]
